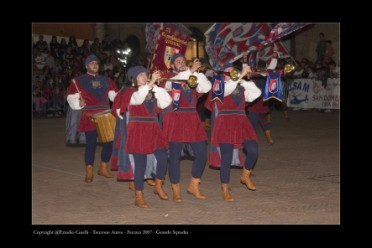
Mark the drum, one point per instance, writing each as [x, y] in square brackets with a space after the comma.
[105, 125]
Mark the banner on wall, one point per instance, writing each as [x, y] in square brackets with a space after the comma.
[308, 93]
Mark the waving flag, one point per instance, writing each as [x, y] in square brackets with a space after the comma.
[266, 53]
[283, 29]
[226, 41]
[152, 32]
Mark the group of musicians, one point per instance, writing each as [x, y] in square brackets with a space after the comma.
[172, 99]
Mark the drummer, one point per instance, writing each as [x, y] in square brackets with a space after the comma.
[92, 94]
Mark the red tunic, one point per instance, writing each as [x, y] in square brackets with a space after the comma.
[231, 128]
[95, 96]
[144, 136]
[181, 126]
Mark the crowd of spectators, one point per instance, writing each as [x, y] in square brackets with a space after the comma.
[56, 63]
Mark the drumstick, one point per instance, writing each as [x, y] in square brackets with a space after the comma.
[81, 98]
[73, 80]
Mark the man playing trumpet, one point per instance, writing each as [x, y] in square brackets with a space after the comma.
[143, 101]
[231, 127]
[181, 123]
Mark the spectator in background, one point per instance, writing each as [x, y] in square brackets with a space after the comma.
[334, 70]
[330, 52]
[73, 44]
[85, 48]
[41, 43]
[62, 48]
[321, 48]
[96, 47]
[54, 46]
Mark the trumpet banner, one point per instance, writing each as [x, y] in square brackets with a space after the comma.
[171, 38]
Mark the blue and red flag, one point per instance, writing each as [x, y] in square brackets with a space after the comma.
[283, 29]
[151, 32]
[226, 41]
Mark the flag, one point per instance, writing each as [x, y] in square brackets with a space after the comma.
[218, 87]
[151, 32]
[171, 38]
[283, 29]
[266, 52]
[225, 42]
[274, 87]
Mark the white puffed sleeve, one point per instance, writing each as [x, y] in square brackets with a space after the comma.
[73, 101]
[181, 75]
[252, 92]
[204, 85]
[230, 87]
[112, 94]
[273, 64]
[164, 99]
[118, 113]
[139, 96]
[168, 86]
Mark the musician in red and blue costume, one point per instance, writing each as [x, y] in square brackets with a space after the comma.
[143, 102]
[231, 127]
[182, 125]
[92, 94]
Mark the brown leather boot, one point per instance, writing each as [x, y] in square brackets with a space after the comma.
[176, 192]
[225, 192]
[103, 170]
[150, 182]
[139, 201]
[268, 137]
[158, 190]
[246, 179]
[88, 174]
[268, 118]
[207, 123]
[131, 185]
[286, 116]
[194, 188]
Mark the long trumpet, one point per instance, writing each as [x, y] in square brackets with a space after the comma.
[192, 81]
[234, 74]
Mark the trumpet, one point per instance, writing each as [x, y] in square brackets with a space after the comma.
[234, 74]
[288, 68]
[192, 81]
